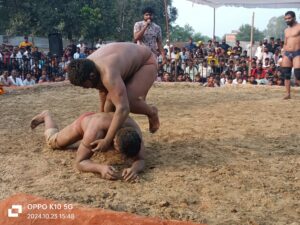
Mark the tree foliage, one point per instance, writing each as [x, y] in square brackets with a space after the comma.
[86, 19]
[244, 33]
[276, 27]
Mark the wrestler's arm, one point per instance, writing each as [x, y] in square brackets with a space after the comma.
[138, 164]
[102, 96]
[84, 153]
[117, 90]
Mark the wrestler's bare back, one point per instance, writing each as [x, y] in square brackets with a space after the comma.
[123, 59]
[292, 38]
[98, 124]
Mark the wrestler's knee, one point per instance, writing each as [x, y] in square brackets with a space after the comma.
[286, 72]
[297, 73]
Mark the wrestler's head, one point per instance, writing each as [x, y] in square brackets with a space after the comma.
[83, 73]
[128, 142]
[290, 18]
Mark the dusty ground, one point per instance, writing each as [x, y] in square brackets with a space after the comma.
[222, 156]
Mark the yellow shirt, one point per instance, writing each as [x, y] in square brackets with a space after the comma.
[24, 44]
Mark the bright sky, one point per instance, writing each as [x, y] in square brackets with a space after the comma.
[200, 17]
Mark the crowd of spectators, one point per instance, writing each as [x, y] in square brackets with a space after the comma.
[26, 65]
[211, 64]
[215, 64]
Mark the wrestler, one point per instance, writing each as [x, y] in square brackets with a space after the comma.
[123, 73]
[291, 54]
[89, 127]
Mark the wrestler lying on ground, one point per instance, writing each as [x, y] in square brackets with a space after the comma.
[88, 128]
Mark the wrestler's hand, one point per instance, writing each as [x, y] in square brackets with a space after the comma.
[129, 174]
[109, 172]
[100, 145]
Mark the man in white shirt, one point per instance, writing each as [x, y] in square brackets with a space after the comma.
[15, 80]
[28, 81]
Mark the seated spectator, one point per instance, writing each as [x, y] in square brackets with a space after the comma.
[186, 77]
[210, 82]
[28, 81]
[266, 63]
[180, 78]
[238, 77]
[25, 43]
[260, 73]
[15, 79]
[252, 80]
[44, 77]
[5, 80]
[229, 81]
[198, 78]
[166, 77]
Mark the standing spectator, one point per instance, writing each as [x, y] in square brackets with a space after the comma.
[25, 43]
[266, 54]
[148, 33]
[224, 45]
[28, 81]
[259, 51]
[191, 70]
[272, 46]
[191, 46]
[77, 53]
[237, 48]
[36, 55]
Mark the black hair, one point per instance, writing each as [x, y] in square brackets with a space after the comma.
[129, 141]
[79, 71]
[291, 13]
[148, 10]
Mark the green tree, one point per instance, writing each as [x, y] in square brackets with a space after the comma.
[244, 33]
[179, 33]
[88, 19]
[276, 27]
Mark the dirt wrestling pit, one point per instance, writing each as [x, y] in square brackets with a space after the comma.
[221, 155]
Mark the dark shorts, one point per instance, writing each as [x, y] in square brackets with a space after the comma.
[292, 54]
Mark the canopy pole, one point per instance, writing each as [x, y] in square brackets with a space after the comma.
[168, 32]
[214, 27]
[251, 43]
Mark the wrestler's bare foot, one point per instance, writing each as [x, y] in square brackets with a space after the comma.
[38, 119]
[154, 120]
[287, 97]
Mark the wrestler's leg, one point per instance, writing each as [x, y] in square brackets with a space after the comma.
[137, 90]
[65, 137]
[296, 65]
[286, 68]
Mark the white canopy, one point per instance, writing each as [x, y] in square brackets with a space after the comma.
[250, 3]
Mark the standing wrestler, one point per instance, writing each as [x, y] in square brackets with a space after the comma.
[291, 56]
[123, 73]
[148, 33]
